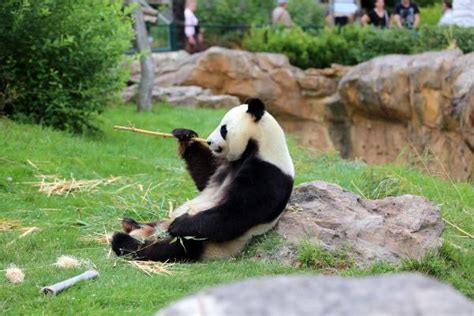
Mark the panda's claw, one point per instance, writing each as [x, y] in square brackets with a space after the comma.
[183, 134]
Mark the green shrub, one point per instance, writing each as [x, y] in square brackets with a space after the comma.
[353, 44]
[372, 42]
[290, 41]
[60, 61]
[441, 37]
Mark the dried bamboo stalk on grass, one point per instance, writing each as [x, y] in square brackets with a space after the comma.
[151, 133]
[61, 286]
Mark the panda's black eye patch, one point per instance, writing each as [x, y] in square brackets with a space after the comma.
[224, 131]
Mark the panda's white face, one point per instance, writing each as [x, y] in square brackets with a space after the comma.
[250, 121]
[232, 135]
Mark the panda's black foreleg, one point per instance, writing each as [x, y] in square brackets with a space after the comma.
[200, 161]
[165, 249]
[213, 225]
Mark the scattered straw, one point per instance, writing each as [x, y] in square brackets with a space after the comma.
[458, 228]
[52, 185]
[152, 267]
[32, 164]
[26, 231]
[8, 224]
[101, 238]
[14, 274]
[67, 262]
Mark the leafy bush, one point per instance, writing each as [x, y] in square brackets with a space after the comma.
[441, 37]
[60, 61]
[352, 44]
[372, 42]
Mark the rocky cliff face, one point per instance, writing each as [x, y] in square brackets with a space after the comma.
[421, 105]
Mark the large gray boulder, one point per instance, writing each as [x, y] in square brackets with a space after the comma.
[388, 295]
[389, 229]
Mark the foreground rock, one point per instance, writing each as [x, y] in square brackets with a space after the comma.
[389, 230]
[422, 105]
[403, 294]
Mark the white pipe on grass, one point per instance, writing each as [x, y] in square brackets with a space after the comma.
[61, 286]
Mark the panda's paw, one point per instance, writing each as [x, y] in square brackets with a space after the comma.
[182, 226]
[183, 134]
[124, 244]
[129, 224]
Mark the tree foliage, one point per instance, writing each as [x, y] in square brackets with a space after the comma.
[60, 60]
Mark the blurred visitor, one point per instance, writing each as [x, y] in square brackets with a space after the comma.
[407, 14]
[194, 36]
[447, 16]
[280, 14]
[378, 16]
[342, 12]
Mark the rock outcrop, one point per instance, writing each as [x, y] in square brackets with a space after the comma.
[422, 105]
[389, 229]
[394, 295]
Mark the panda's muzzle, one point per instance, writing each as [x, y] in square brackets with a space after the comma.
[216, 149]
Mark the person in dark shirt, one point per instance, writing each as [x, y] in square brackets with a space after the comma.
[407, 14]
[378, 16]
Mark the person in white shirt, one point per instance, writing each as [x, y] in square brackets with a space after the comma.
[194, 37]
[447, 17]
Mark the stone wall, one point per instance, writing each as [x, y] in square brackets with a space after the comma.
[422, 105]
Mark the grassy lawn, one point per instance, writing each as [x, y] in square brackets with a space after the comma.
[152, 180]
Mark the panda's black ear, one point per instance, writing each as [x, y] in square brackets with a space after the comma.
[256, 107]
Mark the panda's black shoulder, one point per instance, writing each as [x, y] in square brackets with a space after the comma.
[255, 171]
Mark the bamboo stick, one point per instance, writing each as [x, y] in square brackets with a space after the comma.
[61, 286]
[159, 134]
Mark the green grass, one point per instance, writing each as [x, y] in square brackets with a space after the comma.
[152, 181]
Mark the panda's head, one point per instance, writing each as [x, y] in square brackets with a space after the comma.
[242, 123]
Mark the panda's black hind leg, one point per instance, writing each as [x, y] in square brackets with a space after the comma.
[166, 249]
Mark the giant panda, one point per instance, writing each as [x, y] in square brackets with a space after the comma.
[245, 178]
